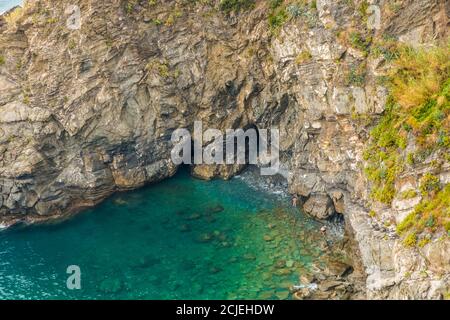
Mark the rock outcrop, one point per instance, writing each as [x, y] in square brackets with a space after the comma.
[90, 111]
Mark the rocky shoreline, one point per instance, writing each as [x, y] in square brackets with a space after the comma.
[89, 112]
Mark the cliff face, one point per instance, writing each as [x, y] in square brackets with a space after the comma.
[87, 112]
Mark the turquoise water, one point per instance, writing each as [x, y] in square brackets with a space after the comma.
[180, 239]
[8, 4]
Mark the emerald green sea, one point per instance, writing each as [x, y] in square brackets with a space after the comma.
[179, 239]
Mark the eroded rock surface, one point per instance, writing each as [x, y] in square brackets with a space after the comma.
[84, 113]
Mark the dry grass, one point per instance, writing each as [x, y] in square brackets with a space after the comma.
[14, 16]
[418, 108]
[418, 74]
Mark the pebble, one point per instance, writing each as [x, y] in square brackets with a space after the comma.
[266, 295]
[194, 216]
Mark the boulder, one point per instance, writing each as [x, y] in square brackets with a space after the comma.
[319, 206]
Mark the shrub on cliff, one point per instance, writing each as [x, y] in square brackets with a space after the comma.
[235, 5]
[13, 16]
[417, 113]
[419, 74]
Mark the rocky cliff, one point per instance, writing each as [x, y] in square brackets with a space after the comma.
[88, 111]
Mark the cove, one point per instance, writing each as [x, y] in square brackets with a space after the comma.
[179, 239]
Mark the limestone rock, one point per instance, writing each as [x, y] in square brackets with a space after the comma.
[319, 206]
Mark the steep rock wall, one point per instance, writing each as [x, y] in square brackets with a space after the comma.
[87, 112]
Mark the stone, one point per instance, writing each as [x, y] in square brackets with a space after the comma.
[306, 279]
[249, 256]
[99, 119]
[302, 294]
[290, 263]
[319, 206]
[214, 270]
[282, 295]
[338, 201]
[206, 237]
[215, 209]
[194, 216]
[338, 268]
[283, 272]
[265, 295]
[328, 285]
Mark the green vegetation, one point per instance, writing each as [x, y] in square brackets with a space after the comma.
[163, 69]
[277, 18]
[422, 243]
[419, 108]
[356, 76]
[303, 57]
[432, 213]
[283, 11]
[129, 7]
[410, 240]
[386, 47]
[26, 99]
[418, 75]
[429, 183]
[408, 194]
[362, 9]
[2, 60]
[52, 20]
[358, 41]
[175, 14]
[235, 5]
[157, 22]
[71, 44]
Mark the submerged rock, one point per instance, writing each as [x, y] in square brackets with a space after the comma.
[194, 216]
[205, 237]
[98, 120]
[111, 286]
[215, 209]
[184, 228]
[149, 261]
[282, 295]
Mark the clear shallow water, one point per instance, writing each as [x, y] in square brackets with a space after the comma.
[8, 4]
[180, 239]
